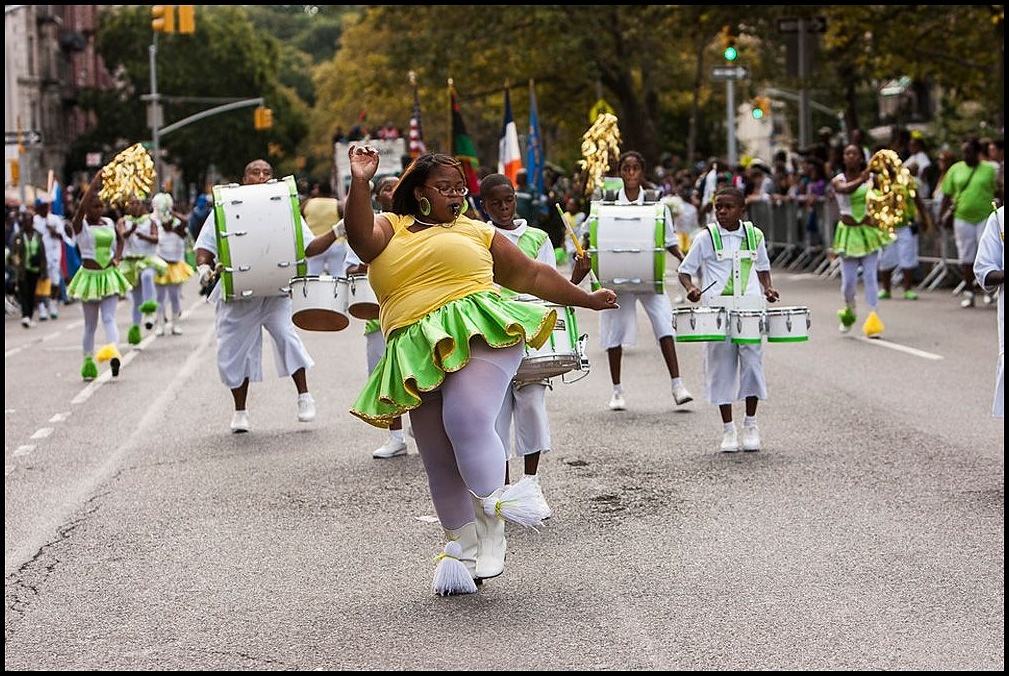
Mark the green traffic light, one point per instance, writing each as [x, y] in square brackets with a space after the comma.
[757, 113]
[730, 54]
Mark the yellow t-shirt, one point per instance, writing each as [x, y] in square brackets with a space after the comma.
[321, 214]
[418, 272]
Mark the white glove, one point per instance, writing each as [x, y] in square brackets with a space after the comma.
[205, 273]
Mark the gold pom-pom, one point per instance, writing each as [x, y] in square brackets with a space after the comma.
[892, 193]
[130, 174]
[600, 147]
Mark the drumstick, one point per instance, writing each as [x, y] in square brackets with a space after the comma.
[578, 247]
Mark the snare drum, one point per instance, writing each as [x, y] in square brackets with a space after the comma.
[788, 325]
[259, 238]
[560, 354]
[627, 246]
[700, 324]
[363, 303]
[746, 326]
[319, 303]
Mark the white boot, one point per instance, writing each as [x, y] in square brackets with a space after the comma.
[490, 530]
[456, 569]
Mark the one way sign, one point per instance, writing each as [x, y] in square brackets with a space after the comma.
[730, 73]
[28, 138]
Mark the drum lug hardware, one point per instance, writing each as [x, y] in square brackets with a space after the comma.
[244, 268]
[237, 233]
[246, 293]
[284, 264]
[277, 198]
[625, 250]
[234, 202]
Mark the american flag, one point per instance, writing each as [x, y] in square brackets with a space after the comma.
[417, 147]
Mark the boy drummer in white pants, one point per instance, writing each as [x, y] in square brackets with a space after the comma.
[732, 371]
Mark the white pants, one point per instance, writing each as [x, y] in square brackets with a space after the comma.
[54, 266]
[619, 327]
[527, 405]
[733, 372]
[240, 325]
[375, 348]
[967, 235]
[903, 253]
[331, 261]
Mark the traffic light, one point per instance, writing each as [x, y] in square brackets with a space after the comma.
[187, 18]
[163, 18]
[729, 43]
[262, 118]
[761, 107]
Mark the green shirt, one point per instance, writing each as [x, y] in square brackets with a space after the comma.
[973, 199]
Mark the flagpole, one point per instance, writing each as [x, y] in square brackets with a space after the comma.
[451, 106]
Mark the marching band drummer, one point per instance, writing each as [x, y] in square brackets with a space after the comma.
[620, 327]
[524, 402]
[453, 345]
[240, 325]
[989, 269]
[733, 371]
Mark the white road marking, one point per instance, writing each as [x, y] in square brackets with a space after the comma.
[24, 449]
[901, 348]
[59, 417]
[42, 433]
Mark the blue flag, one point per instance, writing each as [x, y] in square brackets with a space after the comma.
[534, 150]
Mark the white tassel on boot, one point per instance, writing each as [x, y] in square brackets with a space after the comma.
[519, 503]
[451, 576]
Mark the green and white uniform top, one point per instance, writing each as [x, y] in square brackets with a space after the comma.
[97, 242]
[710, 260]
[135, 247]
[531, 241]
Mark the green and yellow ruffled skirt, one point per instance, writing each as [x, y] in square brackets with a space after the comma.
[94, 285]
[133, 266]
[418, 356]
[855, 241]
[177, 273]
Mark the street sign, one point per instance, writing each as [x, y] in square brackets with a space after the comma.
[29, 138]
[814, 24]
[730, 73]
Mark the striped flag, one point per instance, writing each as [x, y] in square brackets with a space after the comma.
[509, 159]
[417, 147]
[534, 149]
[462, 146]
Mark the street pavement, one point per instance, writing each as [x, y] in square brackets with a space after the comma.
[867, 534]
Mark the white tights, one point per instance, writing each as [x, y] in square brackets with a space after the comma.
[454, 428]
[107, 308]
[142, 293]
[849, 279]
[174, 293]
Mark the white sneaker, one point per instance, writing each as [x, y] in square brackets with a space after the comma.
[751, 438]
[26, 322]
[160, 331]
[968, 299]
[390, 449]
[240, 422]
[680, 394]
[730, 441]
[617, 402]
[43, 313]
[54, 313]
[176, 331]
[306, 408]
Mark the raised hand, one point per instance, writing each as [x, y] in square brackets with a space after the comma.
[603, 299]
[363, 161]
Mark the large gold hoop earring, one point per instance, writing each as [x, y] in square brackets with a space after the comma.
[424, 204]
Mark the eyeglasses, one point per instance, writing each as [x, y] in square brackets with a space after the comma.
[461, 191]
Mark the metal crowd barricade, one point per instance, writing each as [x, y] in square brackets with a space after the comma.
[799, 237]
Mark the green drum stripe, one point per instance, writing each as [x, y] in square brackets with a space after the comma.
[660, 249]
[223, 250]
[796, 339]
[594, 239]
[746, 341]
[299, 237]
[699, 339]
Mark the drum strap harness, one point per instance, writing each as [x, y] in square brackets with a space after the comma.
[750, 241]
[529, 244]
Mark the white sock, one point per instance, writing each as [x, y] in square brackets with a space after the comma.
[618, 389]
[397, 436]
[677, 381]
[305, 396]
[750, 421]
[729, 426]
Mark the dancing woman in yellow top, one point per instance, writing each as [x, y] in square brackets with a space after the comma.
[453, 345]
